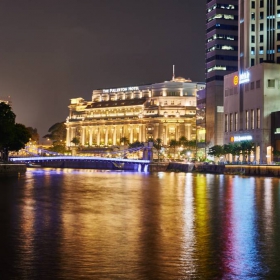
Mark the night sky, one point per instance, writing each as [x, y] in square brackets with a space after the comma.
[54, 50]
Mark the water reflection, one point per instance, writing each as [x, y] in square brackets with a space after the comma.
[85, 224]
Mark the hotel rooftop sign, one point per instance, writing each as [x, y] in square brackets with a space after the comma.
[113, 90]
[242, 78]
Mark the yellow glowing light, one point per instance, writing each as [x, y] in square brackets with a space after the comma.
[235, 80]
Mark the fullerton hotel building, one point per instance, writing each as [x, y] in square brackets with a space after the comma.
[163, 110]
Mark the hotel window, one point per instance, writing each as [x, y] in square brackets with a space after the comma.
[252, 39]
[252, 61]
[253, 4]
[252, 119]
[252, 27]
[247, 120]
[278, 36]
[258, 83]
[230, 122]
[252, 16]
[236, 121]
[261, 60]
[226, 123]
[271, 83]
[278, 60]
[261, 38]
[258, 118]
[252, 50]
[252, 85]
[278, 48]
[278, 25]
[261, 15]
[261, 3]
[278, 2]
[261, 26]
[278, 13]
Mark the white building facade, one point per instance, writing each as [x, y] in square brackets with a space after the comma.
[250, 98]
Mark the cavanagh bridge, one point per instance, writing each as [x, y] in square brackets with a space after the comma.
[110, 162]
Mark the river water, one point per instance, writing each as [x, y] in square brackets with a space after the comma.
[86, 224]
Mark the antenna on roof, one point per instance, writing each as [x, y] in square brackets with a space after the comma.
[173, 77]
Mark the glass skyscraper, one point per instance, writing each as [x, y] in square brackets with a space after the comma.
[221, 59]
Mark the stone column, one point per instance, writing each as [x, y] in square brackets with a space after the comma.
[90, 136]
[115, 136]
[144, 136]
[83, 136]
[106, 136]
[68, 136]
[130, 129]
[72, 134]
[140, 132]
[98, 137]
[155, 134]
[188, 130]
[177, 132]
[166, 134]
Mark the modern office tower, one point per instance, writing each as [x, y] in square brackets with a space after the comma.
[251, 95]
[259, 32]
[221, 59]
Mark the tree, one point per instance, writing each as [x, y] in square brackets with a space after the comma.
[34, 134]
[173, 144]
[276, 155]
[124, 140]
[57, 133]
[75, 141]
[13, 136]
[136, 144]
[216, 151]
[246, 148]
[158, 145]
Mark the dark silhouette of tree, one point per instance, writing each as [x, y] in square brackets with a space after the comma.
[57, 133]
[75, 141]
[173, 144]
[13, 136]
[34, 134]
[124, 140]
[158, 145]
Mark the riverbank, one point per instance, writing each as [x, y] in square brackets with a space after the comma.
[11, 169]
[234, 169]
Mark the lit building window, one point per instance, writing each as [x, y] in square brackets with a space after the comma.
[252, 119]
[230, 122]
[258, 118]
[226, 123]
[271, 83]
[236, 121]
[247, 120]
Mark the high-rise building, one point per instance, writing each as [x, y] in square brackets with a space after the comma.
[259, 32]
[221, 59]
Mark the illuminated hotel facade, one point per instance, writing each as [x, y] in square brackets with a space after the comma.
[162, 110]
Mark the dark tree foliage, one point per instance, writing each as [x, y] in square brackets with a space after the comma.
[136, 144]
[57, 133]
[34, 134]
[13, 137]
